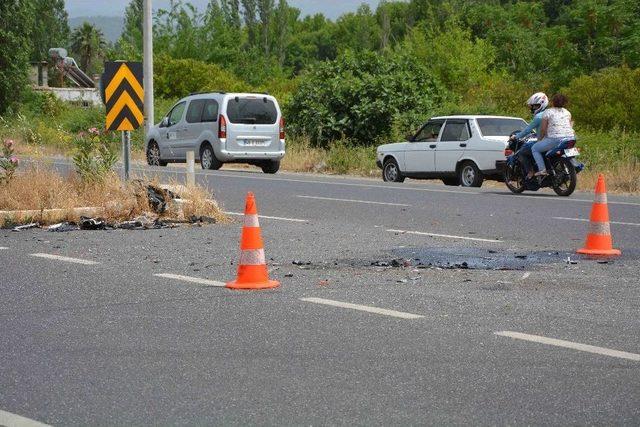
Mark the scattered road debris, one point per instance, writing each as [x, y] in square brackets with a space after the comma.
[26, 226]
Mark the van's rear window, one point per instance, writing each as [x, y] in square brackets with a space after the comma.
[252, 111]
[500, 127]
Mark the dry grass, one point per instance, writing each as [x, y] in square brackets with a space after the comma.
[50, 197]
[301, 157]
[620, 178]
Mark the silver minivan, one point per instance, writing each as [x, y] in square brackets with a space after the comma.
[220, 128]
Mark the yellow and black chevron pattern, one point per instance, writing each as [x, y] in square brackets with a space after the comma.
[123, 95]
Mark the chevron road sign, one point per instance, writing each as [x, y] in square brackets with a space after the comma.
[123, 95]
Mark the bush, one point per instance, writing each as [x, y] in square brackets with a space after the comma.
[607, 99]
[358, 95]
[175, 78]
[95, 155]
[8, 162]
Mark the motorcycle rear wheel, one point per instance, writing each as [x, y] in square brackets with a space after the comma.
[565, 179]
[514, 178]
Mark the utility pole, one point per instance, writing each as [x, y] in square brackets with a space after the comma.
[147, 64]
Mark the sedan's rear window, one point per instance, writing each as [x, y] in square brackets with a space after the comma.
[252, 111]
[500, 127]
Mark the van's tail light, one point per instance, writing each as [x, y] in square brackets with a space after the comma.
[281, 127]
[222, 127]
[508, 152]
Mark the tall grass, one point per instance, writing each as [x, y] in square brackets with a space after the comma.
[41, 189]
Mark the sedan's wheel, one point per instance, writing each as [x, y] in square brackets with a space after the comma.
[208, 158]
[153, 155]
[469, 175]
[391, 172]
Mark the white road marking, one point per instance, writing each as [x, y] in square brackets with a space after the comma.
[278, 218]
[448, 236]
[366, 308]
[353, 201]
[12, 420]
[526, 275]
[66, 259]
[191, 279]
[572, 345]
[586, 220]
[3, 248]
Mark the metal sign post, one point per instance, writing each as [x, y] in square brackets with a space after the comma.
[126, 153]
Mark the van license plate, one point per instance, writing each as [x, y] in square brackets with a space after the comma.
[254, 143]
[571, 152]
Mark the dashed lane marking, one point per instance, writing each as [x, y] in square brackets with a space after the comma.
[447, 236]
[368, 309]
[191, 279]
[3, 248]
[586, 220]
[353, 201]
[277, 218]
[66, 259]
[570, 344]
[12, 420]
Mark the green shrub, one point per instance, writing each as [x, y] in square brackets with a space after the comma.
[344, 157]
[175, 78]
[357, 96]
[95, 154]
[607, 99]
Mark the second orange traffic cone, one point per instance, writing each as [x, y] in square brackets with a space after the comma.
[252, 270]
[599, 240]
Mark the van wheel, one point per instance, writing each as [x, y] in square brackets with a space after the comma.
[270, 166]
[469, 175]
[391, 172]
[208, 158]
[153, 155]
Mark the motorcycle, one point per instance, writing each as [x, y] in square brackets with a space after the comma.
[560, 161]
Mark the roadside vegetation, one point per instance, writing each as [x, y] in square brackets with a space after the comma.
[370, 77]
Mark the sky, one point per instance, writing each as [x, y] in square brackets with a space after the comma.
[330, 8]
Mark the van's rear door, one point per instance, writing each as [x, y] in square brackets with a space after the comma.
[253, 124]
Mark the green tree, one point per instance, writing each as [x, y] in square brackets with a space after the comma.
[606, 99]
[451, 55]
[16, 21]
[249, 12]
[265, 11]
[358, 31]
[51, 29]
[88, 43]
[359, 96]
[131, 40]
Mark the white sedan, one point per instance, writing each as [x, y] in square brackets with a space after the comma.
[459, 150]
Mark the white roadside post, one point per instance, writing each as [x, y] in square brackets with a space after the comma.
[147, 64]
[191, 169]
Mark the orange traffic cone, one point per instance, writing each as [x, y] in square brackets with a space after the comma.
[252, 270]
[599, 240]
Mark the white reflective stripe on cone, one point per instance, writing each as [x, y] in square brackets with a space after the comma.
[252, 257]
[599, 228]
[251, 221]
[601, 198]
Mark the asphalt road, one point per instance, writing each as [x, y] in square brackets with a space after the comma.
[432, 341]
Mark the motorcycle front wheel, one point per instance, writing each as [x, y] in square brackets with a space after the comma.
[514, 178]
[565, 179]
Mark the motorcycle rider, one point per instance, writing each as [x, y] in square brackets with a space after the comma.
[538, 103]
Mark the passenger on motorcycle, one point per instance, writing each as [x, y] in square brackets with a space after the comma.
[537, 103]
[557, 126]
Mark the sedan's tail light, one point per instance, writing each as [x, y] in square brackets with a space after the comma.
[222, 127]
[281, 127]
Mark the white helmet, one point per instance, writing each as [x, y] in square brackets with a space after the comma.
[540, 99]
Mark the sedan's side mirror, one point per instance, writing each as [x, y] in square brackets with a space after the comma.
[409, 137]
[165, 122]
